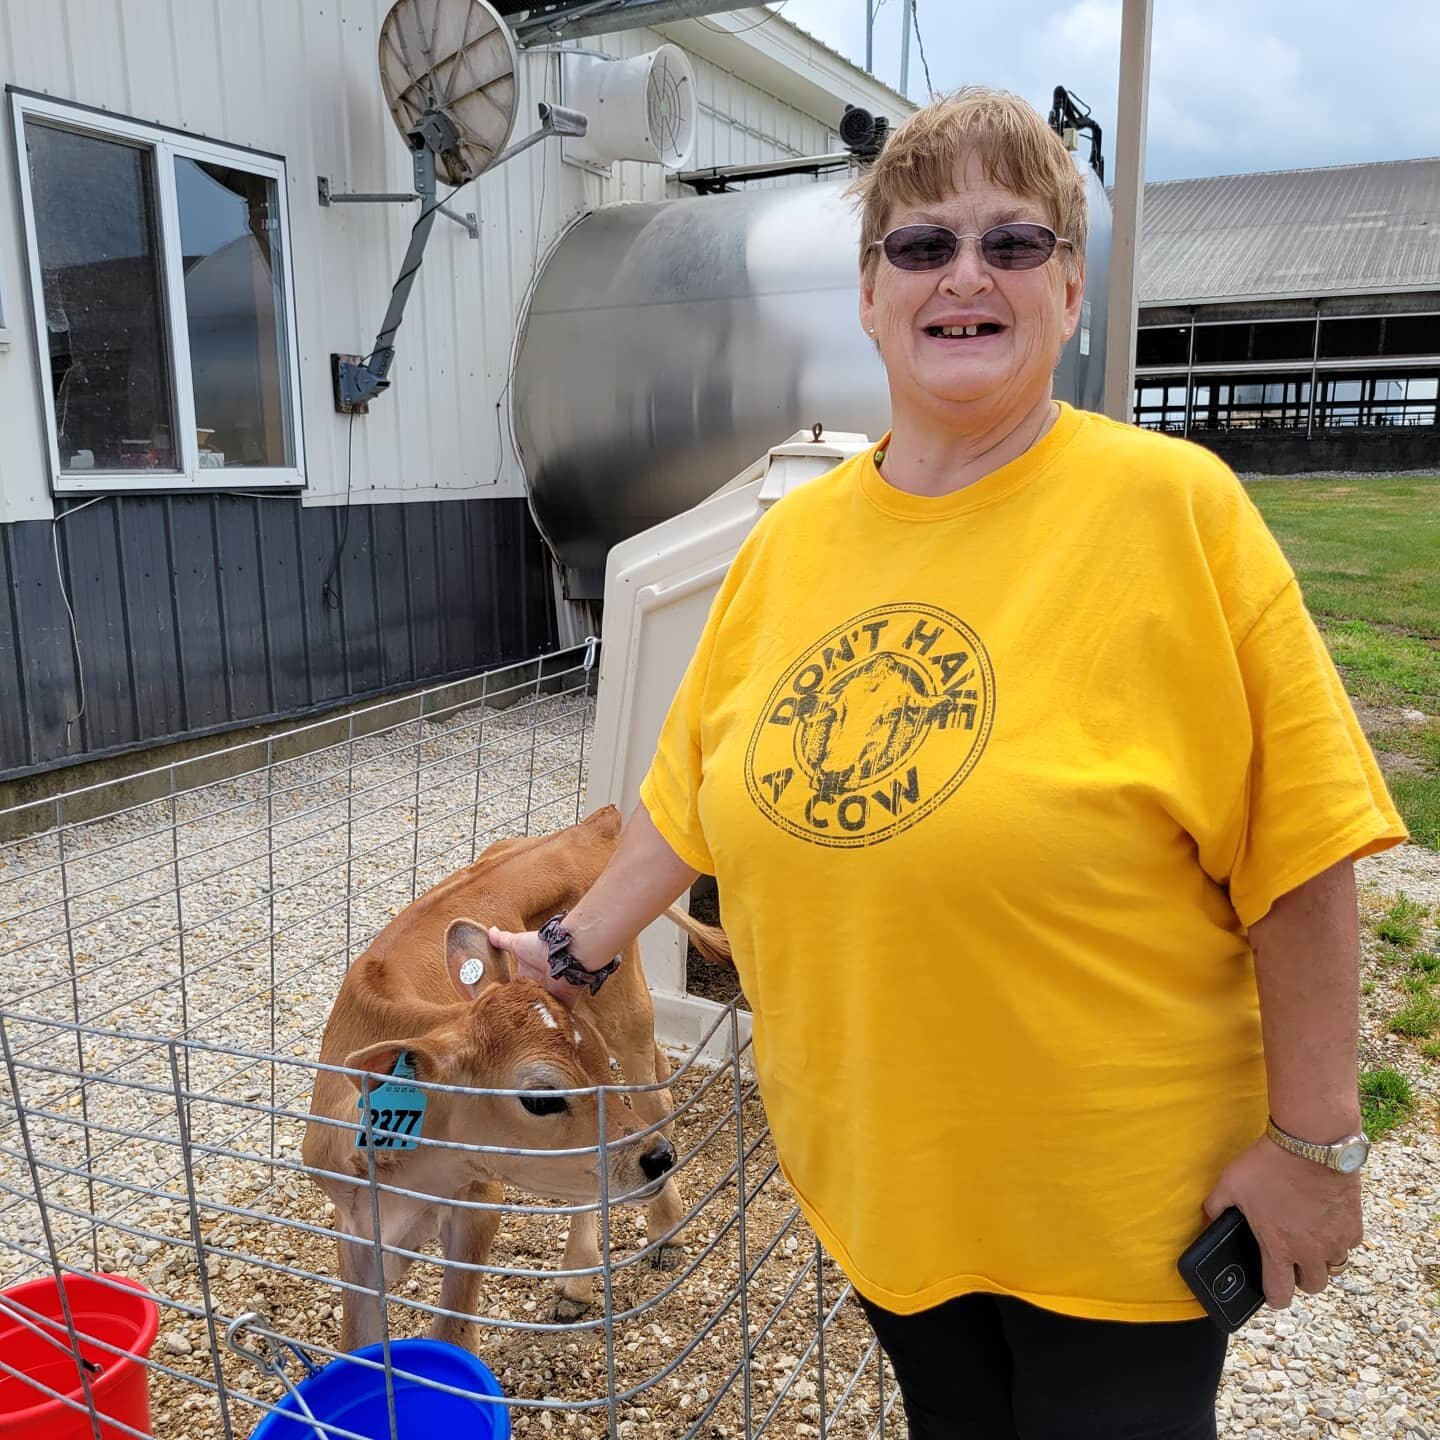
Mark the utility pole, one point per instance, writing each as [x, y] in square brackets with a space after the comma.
[869, 37]
[905, 50]
[1130, 119]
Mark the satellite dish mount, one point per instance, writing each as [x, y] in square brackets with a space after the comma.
[448, 71]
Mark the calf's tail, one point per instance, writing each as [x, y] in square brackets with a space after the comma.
[710, 940]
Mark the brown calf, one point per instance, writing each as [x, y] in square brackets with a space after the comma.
[404, 995]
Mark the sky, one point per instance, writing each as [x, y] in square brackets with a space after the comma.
[1235, 85]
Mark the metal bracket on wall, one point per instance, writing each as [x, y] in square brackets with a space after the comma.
[344, 406]
[327, 197]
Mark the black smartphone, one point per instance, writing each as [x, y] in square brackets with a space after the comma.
[1223, 1268]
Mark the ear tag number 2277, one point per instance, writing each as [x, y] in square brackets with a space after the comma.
[397, 1110]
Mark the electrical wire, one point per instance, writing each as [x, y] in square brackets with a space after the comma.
[920, 41]
[328, 592]
[525, 302]
[721, 30]
[81, 702]
[71, 720]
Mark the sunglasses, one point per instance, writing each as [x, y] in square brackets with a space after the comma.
[1020, 245]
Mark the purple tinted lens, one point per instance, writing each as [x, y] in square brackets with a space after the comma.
[1017, 247]
[920, 247]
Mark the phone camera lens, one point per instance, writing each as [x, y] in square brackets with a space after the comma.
[1229, 1282]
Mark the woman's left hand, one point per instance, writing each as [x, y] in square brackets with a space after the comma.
[1306, 1218]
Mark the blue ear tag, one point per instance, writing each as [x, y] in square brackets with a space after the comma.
[397, 1110]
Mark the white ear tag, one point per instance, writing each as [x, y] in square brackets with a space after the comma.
[472, 971]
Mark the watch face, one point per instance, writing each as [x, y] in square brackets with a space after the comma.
[1351, 1157]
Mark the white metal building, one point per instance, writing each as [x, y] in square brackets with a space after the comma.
[171, 143]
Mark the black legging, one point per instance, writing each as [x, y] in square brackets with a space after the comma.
[987, 1367]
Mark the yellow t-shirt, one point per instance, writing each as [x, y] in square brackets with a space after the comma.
[993, 784]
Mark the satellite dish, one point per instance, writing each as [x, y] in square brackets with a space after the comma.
[641, 109]
[448, 71]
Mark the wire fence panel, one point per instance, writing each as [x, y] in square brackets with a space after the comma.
[170, 948]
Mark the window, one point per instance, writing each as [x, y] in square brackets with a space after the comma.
[163, 289]
[1265, 340]
[1160, 404]
[1391, 335]
[1341, 339]
[1378, 401]
[1162, 345]
[1251, 402]
[1411, 335]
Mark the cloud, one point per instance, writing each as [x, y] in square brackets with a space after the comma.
[1234, 85]
[1089, 31]
[1221, 84]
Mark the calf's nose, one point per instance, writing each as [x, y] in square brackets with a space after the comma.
[657, 1161]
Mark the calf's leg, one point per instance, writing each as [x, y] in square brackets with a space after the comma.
[404, 1223]
[647, 1064]
[465, 1237]
[582, 1250]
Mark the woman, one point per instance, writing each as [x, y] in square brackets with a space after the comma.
[1033, 798]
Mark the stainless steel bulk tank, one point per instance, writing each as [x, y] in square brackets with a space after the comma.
[667, 346]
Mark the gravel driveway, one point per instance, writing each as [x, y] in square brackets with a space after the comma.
[1363, 1358]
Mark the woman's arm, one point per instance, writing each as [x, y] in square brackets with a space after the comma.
[1307, 963]
[1307, 969]
[644, 877]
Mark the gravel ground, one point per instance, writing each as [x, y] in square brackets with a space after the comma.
[1363, 1358]
[262, 882]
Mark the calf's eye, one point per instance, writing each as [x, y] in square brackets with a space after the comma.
[542, 1103]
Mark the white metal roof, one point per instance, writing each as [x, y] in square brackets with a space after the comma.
[761, 46]
[1292, 233]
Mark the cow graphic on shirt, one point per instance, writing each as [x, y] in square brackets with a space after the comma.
[873, 727]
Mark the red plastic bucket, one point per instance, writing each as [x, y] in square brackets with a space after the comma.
[108, 1308]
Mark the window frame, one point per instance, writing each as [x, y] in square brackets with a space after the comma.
[166, 146]
[7, 335]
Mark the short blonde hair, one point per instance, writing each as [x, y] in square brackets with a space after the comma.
[1017, 149]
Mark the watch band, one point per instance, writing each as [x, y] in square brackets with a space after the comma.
[564, 966]
[1326, 1155]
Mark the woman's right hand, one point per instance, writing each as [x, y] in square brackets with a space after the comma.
[532, 961]
[643, 877]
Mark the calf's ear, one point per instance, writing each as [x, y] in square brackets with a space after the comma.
[472, 962]
[379, 1062]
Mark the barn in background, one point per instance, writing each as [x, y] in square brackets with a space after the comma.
[1290, 321]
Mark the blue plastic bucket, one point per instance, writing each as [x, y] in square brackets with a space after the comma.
[353, 1397]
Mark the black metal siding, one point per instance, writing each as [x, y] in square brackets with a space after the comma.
[195, 613]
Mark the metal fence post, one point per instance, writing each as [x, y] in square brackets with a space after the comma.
[606, 1278]
[71, 1333]
[741, 1202]
[182, 1117]
[75, 1015]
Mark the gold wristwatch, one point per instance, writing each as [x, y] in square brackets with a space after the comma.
[1346, 1155]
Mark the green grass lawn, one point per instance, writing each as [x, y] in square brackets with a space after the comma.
[1364, 549]
[1367, 553]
